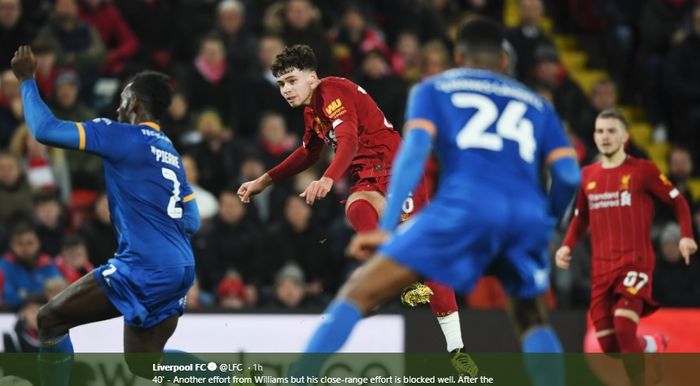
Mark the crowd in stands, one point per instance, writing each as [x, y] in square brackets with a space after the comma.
[230, 124]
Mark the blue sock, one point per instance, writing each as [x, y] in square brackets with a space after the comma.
[329, 337]
[55, 360]
[544, 369]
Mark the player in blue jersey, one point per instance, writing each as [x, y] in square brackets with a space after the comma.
[153, 211]
[492, 137]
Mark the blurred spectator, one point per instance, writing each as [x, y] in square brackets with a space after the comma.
[680, 168]
[76, 43]
[407, 60]
[46, 167]
[117, 36]
[435, 58]
[233, 293]
[659, 24]
[603, 96]
[262, 93]
[46, 71]
[23, 269]
[675, 284]
[387, 89]
[354, 37]
[230, 240]
[324, 211]
[206, 202]
[10, 107]
[13, 32]
[216, 155]
[54, 286]
[569, 99]
[98, 233]
[528, 38]
[420, 16]
[152, 23]
[274, 140]
[24, 336]
[15, 192]
[297, 239]
[290, 291]
[85, 169]
[49, 222]
[302, 26]
[682, 82]
[211, 85]
[73, 261]
[178, 124]
[240, 46]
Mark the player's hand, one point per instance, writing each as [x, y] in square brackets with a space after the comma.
[687, 246]
[251, 188]
[23, 63]
[317, 190]
[563, 257]
[363, 245]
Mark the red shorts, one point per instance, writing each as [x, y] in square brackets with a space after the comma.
[631, 282]
[416, 201]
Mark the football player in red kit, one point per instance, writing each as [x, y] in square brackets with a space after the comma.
[342, 115]
[615, 201]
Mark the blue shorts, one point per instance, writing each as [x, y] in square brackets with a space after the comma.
[145, 296]
[455, 241]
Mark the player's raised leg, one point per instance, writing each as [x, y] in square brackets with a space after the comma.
[81, 303]
[362, 210]
[369, 286]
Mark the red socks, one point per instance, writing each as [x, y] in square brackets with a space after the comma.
[443, 301]
[362, 216]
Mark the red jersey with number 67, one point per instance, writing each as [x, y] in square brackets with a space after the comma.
[617, 204]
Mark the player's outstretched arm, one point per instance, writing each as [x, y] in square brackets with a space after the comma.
[406, 173]
[251, 188]
[43, 125]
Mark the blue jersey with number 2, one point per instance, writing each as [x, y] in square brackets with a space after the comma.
[146, 188]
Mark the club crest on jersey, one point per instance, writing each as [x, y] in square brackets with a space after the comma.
[625, 182]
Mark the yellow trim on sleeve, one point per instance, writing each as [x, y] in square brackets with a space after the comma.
[188, 197]
[81, 136]
[421, 123]
[152, 125]
[561, 152]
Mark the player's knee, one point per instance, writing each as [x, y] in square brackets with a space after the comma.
[47, 321]
[528, 314]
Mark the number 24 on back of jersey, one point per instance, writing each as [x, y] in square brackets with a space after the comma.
[511, 124]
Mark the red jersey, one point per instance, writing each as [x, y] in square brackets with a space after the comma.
[347, 119]
[617, 204]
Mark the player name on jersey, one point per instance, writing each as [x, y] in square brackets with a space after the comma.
[166, 157]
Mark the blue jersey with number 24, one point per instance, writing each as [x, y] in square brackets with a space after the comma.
[490, 130]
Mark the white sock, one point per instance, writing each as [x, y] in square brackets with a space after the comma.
[452, 331]
[650, 345]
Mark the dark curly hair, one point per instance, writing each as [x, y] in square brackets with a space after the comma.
[154, 91]
[299, 56]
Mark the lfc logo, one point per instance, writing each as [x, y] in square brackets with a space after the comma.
[625, 182]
